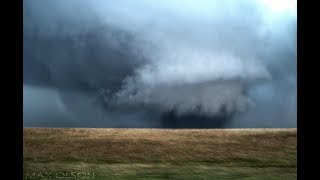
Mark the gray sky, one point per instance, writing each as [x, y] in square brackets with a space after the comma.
[160, 64]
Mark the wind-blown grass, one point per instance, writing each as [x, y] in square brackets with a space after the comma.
[163, 153]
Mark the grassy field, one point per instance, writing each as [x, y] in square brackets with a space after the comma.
[159, 153]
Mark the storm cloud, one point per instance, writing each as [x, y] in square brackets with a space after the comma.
[165, 64]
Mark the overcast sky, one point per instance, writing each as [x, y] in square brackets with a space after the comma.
[162, 64]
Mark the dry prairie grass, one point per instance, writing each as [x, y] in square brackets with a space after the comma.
[246, 148]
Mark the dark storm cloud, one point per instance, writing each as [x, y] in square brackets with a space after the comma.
[164, 63]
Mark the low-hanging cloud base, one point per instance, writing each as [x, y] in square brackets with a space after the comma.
[177, 64]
